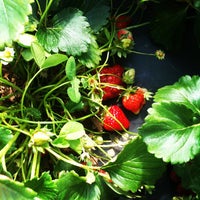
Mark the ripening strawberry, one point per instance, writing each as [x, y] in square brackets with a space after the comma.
[124, 34]
[111, 81]
[125, 38]
[115, 119]
[122, 21]
[134, 101]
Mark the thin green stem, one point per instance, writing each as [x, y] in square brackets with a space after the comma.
[26, 89]
[1, 70]
[34, 164]
[13, 128]
[138, 25]
[4, 81]
[65, 158]
[6, 149]
[45, 12]
[142, 53]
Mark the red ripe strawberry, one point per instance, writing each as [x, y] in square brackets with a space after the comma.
[124, 34]
[122, 21]
[115, 119]
[111, 79]
[134, 101]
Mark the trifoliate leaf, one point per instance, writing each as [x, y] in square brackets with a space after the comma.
[134, 166]
[13, 19]
[69, 33]
[172, 127]
[12, 190]
[44, 186]
[71, 187]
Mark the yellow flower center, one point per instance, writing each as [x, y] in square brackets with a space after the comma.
[7, 54]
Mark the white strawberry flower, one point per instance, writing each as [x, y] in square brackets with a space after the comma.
[7, 55]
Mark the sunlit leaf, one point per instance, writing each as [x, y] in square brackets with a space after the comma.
[172, 127]
[73, 91]
[184, 91]
[71, 187]
[70, 68]
[170, 132]
[92, 57]
[69, 33]
[76, 145]
[44, 186]
[72, 130]
[38, 53]
[134, 166]
[13, 190]
[13, 19]
[54, 60]
[70, 135]
[60, 142]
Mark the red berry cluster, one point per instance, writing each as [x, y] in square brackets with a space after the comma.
[132, 97]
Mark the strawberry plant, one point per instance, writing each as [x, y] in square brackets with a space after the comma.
[65, 133]
[171, 130]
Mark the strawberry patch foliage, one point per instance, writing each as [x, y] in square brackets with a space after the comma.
[171, 129]
[54, 57]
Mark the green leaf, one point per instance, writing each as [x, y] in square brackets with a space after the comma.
[13, 190]
[69, 33]
[134, 166]
[44, 186]
[73, 91]
[172, 127]
[14, 15]
[60, 142]
[71, 187]
[54, 60]
[168, 25]
[92, 57]
[72, 130]
[97, 13]
[27, 55]
[73, 107]
[76, 145]
[184, 91]
[70, 135]
[38, 53]
[70, 68]
[170, 132]
[5, 136]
